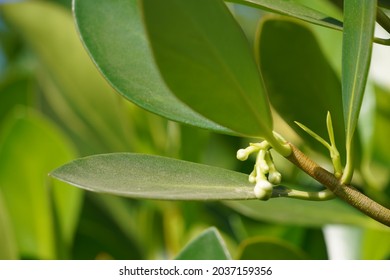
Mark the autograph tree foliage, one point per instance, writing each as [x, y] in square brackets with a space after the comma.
[210, 66]
[282, 86]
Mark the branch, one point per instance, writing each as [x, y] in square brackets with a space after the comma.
[346, 192]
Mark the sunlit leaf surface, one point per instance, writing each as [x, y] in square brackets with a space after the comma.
[113, 34]
[146, 176]
[205, 59]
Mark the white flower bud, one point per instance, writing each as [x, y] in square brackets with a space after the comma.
[252, 177]
[242, 154]
[264, 184]
[260, 193]
[263, 190]
[275, 177]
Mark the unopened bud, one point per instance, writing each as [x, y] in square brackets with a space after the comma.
[275, 177]
[260, 193]
[242, 154]
[263, 190]
[264, 184]
[252, 177]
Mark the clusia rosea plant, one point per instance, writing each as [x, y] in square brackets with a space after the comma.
[191, 62]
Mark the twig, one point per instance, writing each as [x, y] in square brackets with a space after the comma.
[346, 192]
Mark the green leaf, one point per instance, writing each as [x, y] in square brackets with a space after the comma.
[296, 73]
[209, 245]
[295, 10]
[26, 155]
[147, 176]
[154, 177]
[268, 248]
[305, 213]
[359, 23]
[114, 36]
[206, 61]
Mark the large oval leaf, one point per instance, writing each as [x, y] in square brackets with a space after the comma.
[114, 36]
[358, 33]
[155, 177]
[205, 59]
[301, 83]
[147, 176]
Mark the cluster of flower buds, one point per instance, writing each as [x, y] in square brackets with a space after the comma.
[264, 174]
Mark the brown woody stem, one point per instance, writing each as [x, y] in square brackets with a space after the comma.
[346, 192]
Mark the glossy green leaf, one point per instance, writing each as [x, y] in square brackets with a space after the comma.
[114, 36]
[295, 10]
[154, 177]
[206, 61]
[268, 248]
[26, 157]
[147, 176]
[305, 213]
[73, 87]
[209, 245]
[301, 83]
[359, 23]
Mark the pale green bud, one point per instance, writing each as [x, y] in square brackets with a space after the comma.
[252, 177]
[263, 189]
[242, 154]
[275, 177]
[260, 193]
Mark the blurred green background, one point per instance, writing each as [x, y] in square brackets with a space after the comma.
[55, 107]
